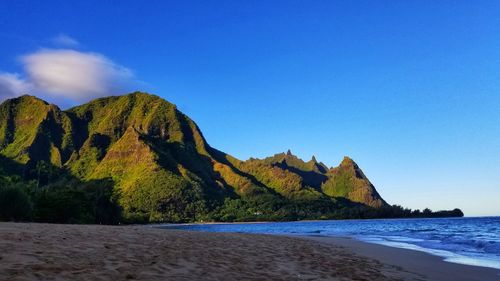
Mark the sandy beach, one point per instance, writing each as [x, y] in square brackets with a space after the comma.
[92, 252]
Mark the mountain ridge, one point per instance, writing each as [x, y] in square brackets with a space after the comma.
[160, 165]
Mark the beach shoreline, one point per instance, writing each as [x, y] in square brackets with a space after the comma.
[30, 251]
[435, 267]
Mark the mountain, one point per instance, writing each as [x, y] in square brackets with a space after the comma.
[160, 165]
[291, 177]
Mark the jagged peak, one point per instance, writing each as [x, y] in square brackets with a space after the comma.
[115, 136]
[351, 167]
[347, 161]
[287, 159]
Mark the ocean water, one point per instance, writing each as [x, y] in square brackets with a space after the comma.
[471, 241]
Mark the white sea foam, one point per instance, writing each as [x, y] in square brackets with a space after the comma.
[446, 255]
[470, 241]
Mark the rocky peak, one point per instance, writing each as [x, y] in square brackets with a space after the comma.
[348, 162]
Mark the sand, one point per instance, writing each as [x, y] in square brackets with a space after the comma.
[91, 252]
[428, 267]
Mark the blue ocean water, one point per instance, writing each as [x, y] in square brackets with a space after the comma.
[472, 241]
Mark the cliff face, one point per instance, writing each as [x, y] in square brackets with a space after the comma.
[348, 181]
[32, 130]
[291, 176]
[158, 158]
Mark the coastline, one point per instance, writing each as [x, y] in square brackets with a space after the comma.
[30, 251]
[431, 267]
[422, 234]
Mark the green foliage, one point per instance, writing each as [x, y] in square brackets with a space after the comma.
[273, 208]
[67, 201]
[32, 130]
[338, 185]
[112, 116]
[91, 202]
[15, 204]
[136, 159]
[394, 211]
[62, 205]
[348, 181]
[163, 198]
[25, 114]
[294, 178]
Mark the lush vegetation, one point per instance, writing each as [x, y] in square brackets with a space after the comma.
[293, 178]
[273, 209]
[136, 158]
[96, 203]
[66, 200]
[15, 204]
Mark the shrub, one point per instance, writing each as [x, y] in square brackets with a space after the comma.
[15, 204]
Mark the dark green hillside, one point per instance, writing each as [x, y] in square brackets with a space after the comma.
[348, 181]
[291, 177]
[157, 156]
[32, 130]
[137, 158]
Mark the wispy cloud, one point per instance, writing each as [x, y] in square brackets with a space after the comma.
[75, 75]
[66, 74]
[11, 85]
[65, 41]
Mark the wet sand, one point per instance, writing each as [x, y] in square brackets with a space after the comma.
[91, 252]
[428, 267]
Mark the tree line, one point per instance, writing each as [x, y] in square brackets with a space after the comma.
[48, 196]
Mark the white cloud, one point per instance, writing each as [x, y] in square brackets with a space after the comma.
[11, 85]
[67, 76]
[74, 75]
[65, 40]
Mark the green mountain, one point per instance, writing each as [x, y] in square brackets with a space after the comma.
[161, 168]
[292, 177]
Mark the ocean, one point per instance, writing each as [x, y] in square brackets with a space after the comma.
[471, 241]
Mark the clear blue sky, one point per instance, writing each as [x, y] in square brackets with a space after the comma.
[409, 89]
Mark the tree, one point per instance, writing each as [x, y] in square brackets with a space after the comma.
[427, 212]
[15, 204]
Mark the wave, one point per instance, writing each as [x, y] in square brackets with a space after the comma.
[422, 230]
[446, 255]
[472, 241]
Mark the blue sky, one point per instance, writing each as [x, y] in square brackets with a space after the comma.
[409, 89]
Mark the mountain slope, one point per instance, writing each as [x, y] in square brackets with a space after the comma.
[160, 164]
[291, 176]
[32, 130]
[348, 181]
[144, 143]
